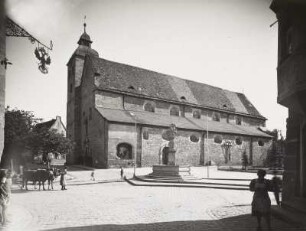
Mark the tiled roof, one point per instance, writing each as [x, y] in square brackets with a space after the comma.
[48, 124]
[117, 76]
[149, 118]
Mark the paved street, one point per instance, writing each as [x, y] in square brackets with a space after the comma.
[111, 204]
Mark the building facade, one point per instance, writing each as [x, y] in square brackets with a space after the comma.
[2, 74]
[118, 113]
[54, 125]
[291, 76]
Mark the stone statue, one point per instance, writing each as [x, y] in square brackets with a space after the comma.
[169, 135]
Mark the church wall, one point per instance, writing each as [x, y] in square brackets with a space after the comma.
[118, 101]
[98, 137]
[108, 100]
[120, 133]
[246, 121]
[187, 152]
[133, 103]
[162, 108]
[79, 65]
[151, 146]
[216, 153]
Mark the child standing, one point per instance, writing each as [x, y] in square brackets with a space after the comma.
[63, 179]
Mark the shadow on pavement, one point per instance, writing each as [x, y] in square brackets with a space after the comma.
[237, 223]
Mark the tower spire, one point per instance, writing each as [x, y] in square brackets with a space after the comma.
[85, 39]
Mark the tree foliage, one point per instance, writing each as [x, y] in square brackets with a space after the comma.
[21, 132]
[18, 124]
[276, 151]
[44, 140]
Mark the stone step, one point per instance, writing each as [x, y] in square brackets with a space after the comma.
[142, 182]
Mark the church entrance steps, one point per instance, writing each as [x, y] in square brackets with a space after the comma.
[191, 182]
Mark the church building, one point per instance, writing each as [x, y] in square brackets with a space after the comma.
[118, 114]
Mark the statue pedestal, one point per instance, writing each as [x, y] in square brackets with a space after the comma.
[165, 170]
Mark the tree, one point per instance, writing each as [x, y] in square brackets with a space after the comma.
[21, 133]
[18, 124]
[45, 141]
[276, 151]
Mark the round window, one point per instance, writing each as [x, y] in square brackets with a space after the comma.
[194, 138]
[218, 139]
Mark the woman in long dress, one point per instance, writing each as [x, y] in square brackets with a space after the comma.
[261, 204]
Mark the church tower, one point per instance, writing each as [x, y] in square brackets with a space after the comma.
[74, 110]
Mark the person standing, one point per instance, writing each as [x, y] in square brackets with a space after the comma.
[92, 175]
[261, 204]
[63, 179]
[121, 172]
[5, 193]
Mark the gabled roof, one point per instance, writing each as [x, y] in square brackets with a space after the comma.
[153, 119]
[134, 80]
[48, 124]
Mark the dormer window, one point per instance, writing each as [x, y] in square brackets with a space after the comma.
[149, 107]
[196, 114]
[131, 87]
[174, 111]
[216, 116]
[183, 98]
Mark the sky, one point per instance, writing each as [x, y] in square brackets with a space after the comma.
[223, 43]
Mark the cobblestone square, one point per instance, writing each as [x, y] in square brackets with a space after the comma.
[108, 203]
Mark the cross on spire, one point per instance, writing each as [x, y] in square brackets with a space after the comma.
[84, 24]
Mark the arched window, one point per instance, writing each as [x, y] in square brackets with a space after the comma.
[174, 111]
[149, 107]
[218, 139]
[124, 151]
[196, 114]
[216, 116]
[194, 138]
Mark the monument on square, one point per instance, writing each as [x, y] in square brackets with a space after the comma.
[167, 165]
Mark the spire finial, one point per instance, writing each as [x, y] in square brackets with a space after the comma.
[84, 24]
